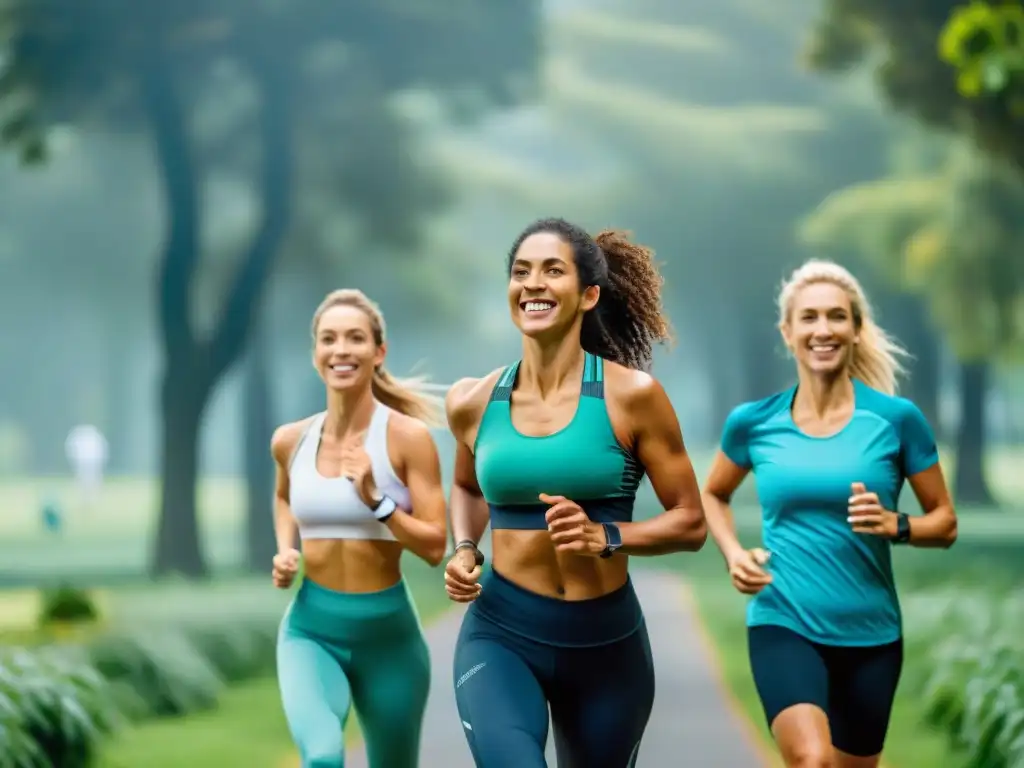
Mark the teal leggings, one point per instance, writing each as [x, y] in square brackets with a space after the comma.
[336, 649]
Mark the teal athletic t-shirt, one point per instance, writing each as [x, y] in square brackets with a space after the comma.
[829, 584]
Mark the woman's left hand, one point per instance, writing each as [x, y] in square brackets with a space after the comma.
[570, 528]
[355, 465]
[867, 515]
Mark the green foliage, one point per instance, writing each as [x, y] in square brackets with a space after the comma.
[67, 604]
[902, 40]
[159, 671]
[952, 234]
[53, 709]
[973, 685]
[985, 43]
[58, 701]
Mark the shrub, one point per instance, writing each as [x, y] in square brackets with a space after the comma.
[973, 682]
[58, 700]
[67, 604]
[53, 709]
[163, 671]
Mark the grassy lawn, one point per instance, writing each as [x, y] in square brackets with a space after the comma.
[247, 729]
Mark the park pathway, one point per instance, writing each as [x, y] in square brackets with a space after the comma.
[693, 723]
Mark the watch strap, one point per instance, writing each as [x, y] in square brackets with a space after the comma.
[470, 544]
[385, 508]
[902, 528]
[613, 539]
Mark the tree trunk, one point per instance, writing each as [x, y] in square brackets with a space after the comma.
[194, 366]
[911, 326]
[259, 465]
[178, 548]
[970, 485]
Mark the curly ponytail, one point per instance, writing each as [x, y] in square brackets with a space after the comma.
[629, 318]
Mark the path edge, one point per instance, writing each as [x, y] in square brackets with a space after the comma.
[750, 732]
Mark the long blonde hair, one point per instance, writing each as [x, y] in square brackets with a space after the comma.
[876, 359]
[403, 395]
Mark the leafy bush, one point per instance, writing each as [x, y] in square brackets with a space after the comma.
[162, 671]
[53, 709]
[973, 682]
[57, 701]
[67, 604]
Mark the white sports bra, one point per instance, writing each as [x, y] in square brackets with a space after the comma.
[330, 507]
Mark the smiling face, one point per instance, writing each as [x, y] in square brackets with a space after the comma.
[821, 328]
[346, 352]
[544, 292]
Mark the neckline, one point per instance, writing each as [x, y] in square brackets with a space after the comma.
[853, 413]
[319, 430]
[588, 361]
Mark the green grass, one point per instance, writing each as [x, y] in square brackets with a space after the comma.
[247, 729]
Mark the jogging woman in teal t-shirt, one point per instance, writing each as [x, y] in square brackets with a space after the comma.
[830, 456]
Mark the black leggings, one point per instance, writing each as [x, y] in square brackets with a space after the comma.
[854, 686]
[600, 696]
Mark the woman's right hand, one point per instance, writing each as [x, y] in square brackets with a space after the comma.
[461, 576]
[286, 567]
[746, 569]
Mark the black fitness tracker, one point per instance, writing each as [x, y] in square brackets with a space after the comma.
[384, 508]
[613, 537]
[469, 544]
[902, 528]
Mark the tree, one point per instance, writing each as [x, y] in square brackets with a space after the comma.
[689, 125]
[903, 38]
[155, 69]
[944, 235]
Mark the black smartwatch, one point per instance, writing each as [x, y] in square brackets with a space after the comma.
[470, 544]
[613, 537]
[384, 508]
[902, 529]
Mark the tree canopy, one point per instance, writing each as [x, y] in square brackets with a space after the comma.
[951, 64]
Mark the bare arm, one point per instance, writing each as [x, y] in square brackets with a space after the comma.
[938, 526]
[469, 512]
[424, 529]
[282, 446]
[659, 446]
[723, 480]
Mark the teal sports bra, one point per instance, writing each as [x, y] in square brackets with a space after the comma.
[583, 462]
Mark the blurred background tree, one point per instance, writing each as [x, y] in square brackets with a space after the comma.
[191, 75]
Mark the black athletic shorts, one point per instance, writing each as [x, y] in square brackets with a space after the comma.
[854, 686]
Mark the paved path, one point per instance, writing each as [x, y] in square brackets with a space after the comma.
[693, 723]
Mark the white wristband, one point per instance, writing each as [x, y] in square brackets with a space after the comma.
[385, 509]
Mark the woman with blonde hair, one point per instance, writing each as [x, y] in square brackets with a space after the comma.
[830, 456]
[361, 482]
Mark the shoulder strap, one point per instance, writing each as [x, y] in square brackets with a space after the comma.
[593, 377]
[506, 381]
[315, 424]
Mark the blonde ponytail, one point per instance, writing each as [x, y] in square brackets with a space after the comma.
[406, 396]
[403, 395]
[876, 358]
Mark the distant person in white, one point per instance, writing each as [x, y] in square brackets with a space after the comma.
[86, 450]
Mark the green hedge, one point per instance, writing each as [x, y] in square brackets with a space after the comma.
[58, 701]
[53, 708]
[973, 684]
